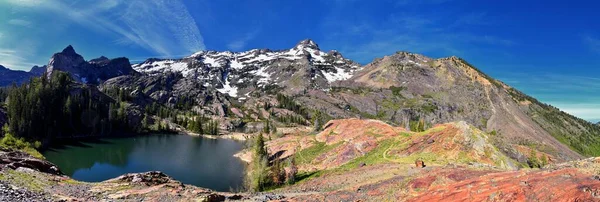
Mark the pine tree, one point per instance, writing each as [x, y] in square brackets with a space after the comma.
[421, 126]
[145, 122]
[277, 172]
[266, 126]
[259, 177]
[318, 121]
[259, 148]
[293, 170]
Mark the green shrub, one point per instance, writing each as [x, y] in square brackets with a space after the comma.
[397, 91]
[11, 142]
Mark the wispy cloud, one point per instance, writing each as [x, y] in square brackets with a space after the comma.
[592, 43]
[164, 27]
[240, 43]
[405, 31]
[587, 111]
[20, 22]
[573, 94]
[11, 59]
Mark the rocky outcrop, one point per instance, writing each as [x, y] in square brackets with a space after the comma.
[148, 178]
[38, 70]
[15, 159]
[93, 72]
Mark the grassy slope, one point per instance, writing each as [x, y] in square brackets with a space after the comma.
[382, 154]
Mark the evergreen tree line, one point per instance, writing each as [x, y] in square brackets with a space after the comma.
[160, 111]
[50, 107]
[291, 119]
[269, 127]
[199, 124]
[120, 94]
[185, 103]
[289, 104]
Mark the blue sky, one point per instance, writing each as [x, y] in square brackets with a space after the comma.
[548, 49]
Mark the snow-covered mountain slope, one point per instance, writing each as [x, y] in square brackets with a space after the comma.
[302, 67]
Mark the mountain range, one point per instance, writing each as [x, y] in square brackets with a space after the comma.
[298, 85]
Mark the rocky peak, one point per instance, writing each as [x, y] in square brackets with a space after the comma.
[67, 57]
[2, 67]
[38, 70]
[307, 43]
[335, 54]
[101, 59]
[93, 72]
[69, 50]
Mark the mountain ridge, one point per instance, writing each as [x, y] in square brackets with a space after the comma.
[241, 89]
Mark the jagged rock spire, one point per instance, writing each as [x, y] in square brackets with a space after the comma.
[69, 50]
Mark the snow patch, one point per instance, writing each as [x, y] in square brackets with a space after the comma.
[265, 76]
[340, 74]
[163, 66]
[235, 64]
[211, 62]
[228, 89]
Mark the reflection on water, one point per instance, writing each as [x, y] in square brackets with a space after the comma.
[199, 161]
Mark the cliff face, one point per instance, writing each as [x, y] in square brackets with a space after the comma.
[93, 72]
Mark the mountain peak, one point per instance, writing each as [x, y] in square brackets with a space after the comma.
[69, 50]
[38, 70]
[100, 59]
[308, 43]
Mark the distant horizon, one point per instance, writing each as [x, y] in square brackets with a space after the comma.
[522, 46]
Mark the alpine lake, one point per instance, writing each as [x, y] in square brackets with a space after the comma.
[200, 161]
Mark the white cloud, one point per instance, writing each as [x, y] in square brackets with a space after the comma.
[20, 22]
[162, 26]
[10, 59]
[19, 57]
[574, 94]
[240, 44]
[587, 111]
[27, 3]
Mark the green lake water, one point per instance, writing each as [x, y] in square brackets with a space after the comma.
[203, 162]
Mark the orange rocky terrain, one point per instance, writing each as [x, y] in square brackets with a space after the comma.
[369, 160]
